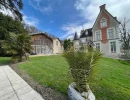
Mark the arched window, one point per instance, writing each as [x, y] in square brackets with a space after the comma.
[103, 22]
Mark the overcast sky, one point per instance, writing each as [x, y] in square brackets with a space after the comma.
[63, 17]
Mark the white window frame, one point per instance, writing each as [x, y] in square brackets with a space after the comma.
[99, 32]
[102, 24]
[113, 33]
[99, 46]
[113, 51]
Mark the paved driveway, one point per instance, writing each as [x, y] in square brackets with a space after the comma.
[13, 87]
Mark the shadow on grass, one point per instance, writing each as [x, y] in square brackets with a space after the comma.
[5, 61]
[125, 62]
[110, 92]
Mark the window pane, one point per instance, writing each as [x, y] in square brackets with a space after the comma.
[113, 46]
[111, 33]
[97, 36]
[98, 46]
[103, 23]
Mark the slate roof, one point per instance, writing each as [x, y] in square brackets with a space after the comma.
[86, 33]
[76, 36]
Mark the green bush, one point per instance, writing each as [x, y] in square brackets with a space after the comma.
[81, 62]
[3, 33]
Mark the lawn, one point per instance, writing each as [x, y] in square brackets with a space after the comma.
[51, 71]
[5, 60]
[110, 79]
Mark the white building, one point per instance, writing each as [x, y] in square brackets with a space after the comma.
[104, 34]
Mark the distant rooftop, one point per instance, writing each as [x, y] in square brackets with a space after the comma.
[76, 36]
[86, 33]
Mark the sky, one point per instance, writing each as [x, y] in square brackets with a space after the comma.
[63, 18]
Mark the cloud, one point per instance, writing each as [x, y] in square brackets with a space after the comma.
[31, 20]
[40, 5]
[89, 9]
[70, 29]
[6, 11]
[45, 6]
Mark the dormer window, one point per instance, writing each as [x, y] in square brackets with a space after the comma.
[86, 33]
[103, 22]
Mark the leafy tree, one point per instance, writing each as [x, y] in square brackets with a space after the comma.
[11, 25]
[18, 45]
[8, 24]
[67, 43]
[3, 33]
[14, 6]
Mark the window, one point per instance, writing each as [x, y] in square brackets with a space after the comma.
[98, 46]
[111, 33]
[113, 47]
[83, 41]
[98, 35]
[86, 32]
[103, 23]
[56, 42]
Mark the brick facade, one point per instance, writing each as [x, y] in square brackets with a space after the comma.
[104, 29]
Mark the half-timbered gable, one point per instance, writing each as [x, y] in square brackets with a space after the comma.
[42, 44]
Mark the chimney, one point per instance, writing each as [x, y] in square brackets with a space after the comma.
[103, 6]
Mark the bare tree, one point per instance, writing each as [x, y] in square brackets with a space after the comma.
[50, 35]
[31, 29]
[125, 33]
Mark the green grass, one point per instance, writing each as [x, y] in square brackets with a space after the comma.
[110, 79]
[50, 71]
[5, 60]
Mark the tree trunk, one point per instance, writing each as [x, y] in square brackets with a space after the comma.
[20, 55]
